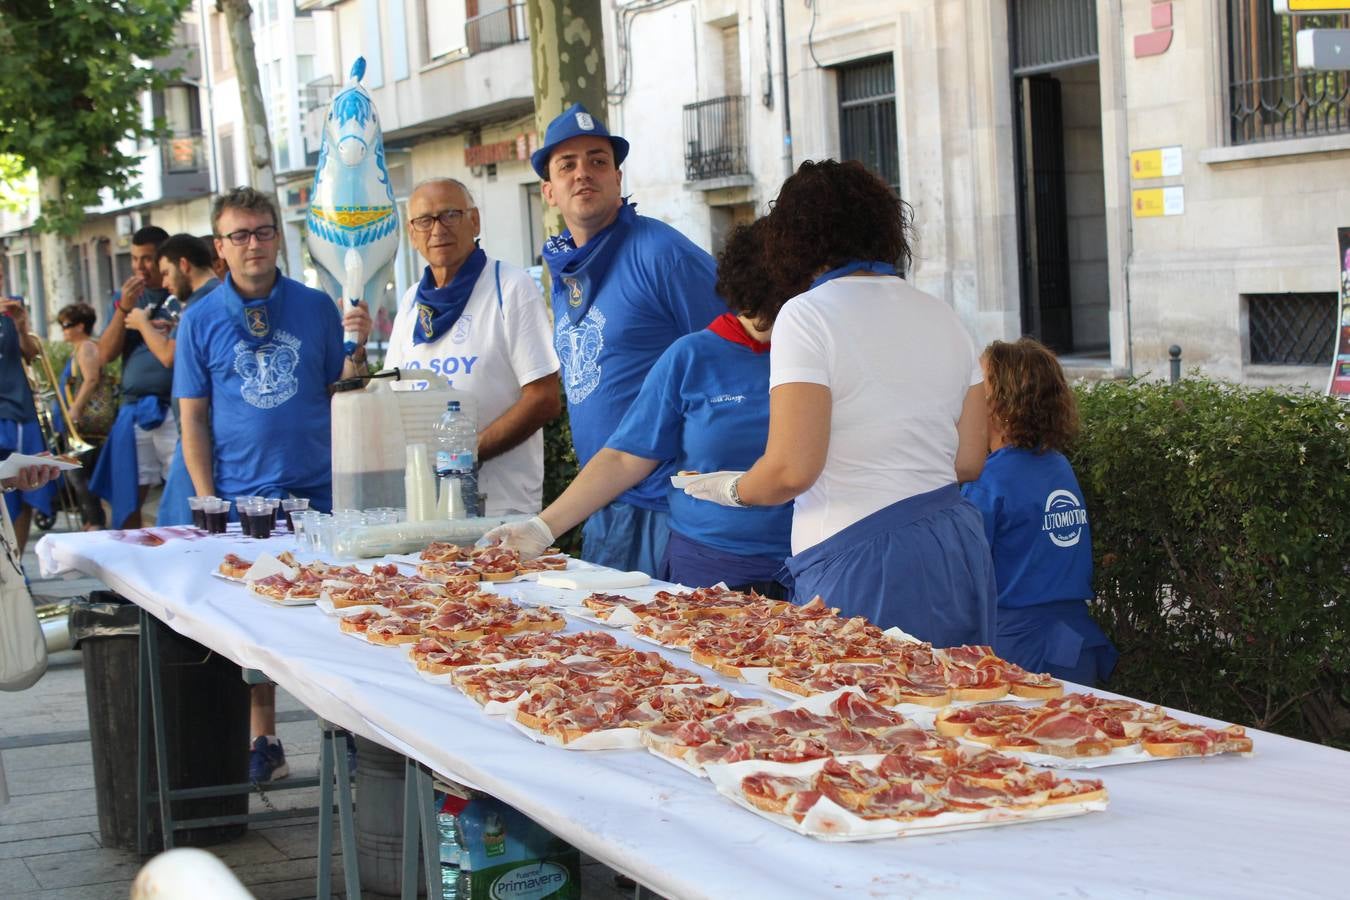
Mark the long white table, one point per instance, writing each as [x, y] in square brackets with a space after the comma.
[1276, 824]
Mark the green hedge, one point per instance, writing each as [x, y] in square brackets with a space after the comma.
[1221, 535]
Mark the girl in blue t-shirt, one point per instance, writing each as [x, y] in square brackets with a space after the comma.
[704, 405]
[1034, 516]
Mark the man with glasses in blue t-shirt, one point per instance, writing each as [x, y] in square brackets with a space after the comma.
[254, 363]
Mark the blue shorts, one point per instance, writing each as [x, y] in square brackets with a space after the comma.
[25, 437]
[626, 537]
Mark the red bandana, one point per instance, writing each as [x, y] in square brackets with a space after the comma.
[728, 326]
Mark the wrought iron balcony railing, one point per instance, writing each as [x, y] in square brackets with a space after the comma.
[714, 139]
[496, 28]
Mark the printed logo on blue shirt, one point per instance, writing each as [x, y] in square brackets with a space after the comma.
[579, 349]
[268, 370]
[1064, 519]
[256, 320]
[723, 399]
[574, 296]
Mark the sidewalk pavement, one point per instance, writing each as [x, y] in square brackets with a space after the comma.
[50, 847]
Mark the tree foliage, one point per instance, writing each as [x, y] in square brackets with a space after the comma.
[73, 74]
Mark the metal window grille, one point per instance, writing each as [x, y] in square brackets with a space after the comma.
[1269, 98]
[1291, 329]
[1052, 34]
[867, 126]
[497, 28]
[714, 139]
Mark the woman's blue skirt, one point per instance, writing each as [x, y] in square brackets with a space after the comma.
[921, 563]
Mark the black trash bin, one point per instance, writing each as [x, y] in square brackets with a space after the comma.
[206, 709]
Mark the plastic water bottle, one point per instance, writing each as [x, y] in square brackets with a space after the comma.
[456, 437]
[450, 854]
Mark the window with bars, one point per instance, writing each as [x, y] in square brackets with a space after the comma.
[1291, 329]
[1268, 97]
[867, 127]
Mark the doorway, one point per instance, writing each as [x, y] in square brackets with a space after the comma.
[1061, 181]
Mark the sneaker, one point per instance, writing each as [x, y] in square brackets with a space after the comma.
[267, 761]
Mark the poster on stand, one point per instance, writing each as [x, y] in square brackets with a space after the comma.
[1339, 384]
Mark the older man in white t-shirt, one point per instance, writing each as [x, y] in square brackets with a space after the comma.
[483, 325]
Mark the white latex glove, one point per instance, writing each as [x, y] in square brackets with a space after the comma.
[529, 538]
[715, 486]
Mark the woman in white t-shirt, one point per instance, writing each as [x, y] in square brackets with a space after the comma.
[876, 413]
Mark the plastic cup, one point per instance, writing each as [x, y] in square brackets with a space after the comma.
[274, 507]
[381, 515]
[197, 505]
[240, 504]
[349, 518]
[319, 532]
[302, 520]
[217, 514]
[258, 518]
[291, 506]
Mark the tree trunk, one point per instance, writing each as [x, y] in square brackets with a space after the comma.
[568, 46]
[258, 139]
[58, 271]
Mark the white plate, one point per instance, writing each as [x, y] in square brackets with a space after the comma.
[16, 461]
[287, 602]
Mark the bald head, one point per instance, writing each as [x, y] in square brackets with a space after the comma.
[443, 225]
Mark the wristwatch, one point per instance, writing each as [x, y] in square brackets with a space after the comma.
[733, 491]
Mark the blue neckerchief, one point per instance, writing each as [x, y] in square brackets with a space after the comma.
[438, 309]
[577, 271]
[856, 265]
[252, 316]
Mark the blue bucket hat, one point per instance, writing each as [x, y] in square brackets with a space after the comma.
[574, 121]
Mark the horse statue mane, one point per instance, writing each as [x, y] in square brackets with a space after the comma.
[352, 224]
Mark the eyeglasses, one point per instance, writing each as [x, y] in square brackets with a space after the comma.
[69, 324]
[448, 219]
[241, 237]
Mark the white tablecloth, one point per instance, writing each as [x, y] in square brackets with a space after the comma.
[1276, 824]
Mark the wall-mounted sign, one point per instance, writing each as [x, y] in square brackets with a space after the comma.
[1308, 7]
[1156, 41]
[1149, 203]
[1162, 162]
[518, 148]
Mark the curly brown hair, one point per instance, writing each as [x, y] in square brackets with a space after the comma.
[1028, 395]
[829, 213]
[741, 279]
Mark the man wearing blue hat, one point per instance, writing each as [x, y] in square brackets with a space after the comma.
[624, 288]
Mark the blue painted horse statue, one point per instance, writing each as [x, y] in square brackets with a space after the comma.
[352, 225]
